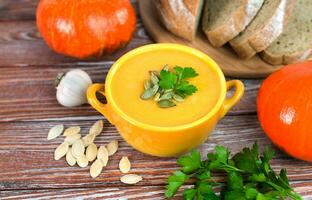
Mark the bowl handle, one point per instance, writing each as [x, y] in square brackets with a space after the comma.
[95, 103]
[239, 92]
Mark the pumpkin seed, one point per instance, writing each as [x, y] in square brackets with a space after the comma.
[154, 78]
[82, 161]
[149, 93]
[71, 139]
[156, 73]
[70, 159]
[166, 68]
[96, 168]
[102, 154]
[72, 130]
[124, 165]
[178, 98]
[55, 131]
[157, 96]
[166, 104]
[131, 179]
[112, 147]
[91, 152]
[78, 149]
[61, 150]
[88, 139]
[166, 96]
[147, 84]
[97, 128]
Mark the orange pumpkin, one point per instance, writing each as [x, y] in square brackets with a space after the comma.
[83, 28]
[285, 109]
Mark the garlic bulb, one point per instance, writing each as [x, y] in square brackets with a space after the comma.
[72, 87]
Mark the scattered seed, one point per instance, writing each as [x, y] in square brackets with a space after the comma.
[102, 154]
[112, 147]
[72, 130]
[97, 128]
[96, 168]
[149, 93]
[88, 139]
[61, 150]
[131, 179]
[70, 159]
[147, 84]
[124, 165]
[91, 152]
[71, 139]
[78, 149]
[166, 104]
[55, 131]
[82, 161]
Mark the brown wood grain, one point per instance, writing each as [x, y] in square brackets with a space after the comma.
[27, 157]
[109, 193]
[12, 10]
[113, 193]
[18, 9]
[28, 93]
[21, 45]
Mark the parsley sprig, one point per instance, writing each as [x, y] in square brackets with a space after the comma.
[249, 176]
[169, 87]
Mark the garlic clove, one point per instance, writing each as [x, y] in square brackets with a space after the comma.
[72, 88]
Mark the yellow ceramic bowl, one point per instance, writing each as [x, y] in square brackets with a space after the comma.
[159, 140]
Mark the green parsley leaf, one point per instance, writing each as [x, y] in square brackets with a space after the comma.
[189, 194]
[185, 89]
[249, 176]
[235, 181]
[184, 73]
[167, 80]
[190, 162]
[247, 160]
[174, 183]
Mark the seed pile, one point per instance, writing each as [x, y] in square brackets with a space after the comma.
[82, 151]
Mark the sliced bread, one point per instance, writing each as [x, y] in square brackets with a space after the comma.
[180, 17]
[225, 19]
[295, 43]
[268, 24]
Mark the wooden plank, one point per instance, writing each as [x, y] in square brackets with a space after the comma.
[108, 193]
[112, 193]
[25, 9]
[18, 9]
[21, 45]
[27, 157]
[28, 93]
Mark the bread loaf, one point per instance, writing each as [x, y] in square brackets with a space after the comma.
[180, 17]
[295, 43]
[268, 24]
[225, 19]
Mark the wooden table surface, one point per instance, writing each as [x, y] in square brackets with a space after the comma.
[28, 109]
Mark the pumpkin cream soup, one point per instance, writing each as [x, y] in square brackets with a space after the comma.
[127, 87]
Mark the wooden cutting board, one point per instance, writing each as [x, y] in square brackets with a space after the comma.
[229, 62]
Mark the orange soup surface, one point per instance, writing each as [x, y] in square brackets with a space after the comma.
[127, 86]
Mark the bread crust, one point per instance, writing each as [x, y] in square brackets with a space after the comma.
[275, 59]
[261, 39]
[234, 25]
[179, 16]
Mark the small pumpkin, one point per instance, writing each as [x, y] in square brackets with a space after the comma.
[285, 109]
[83, 28]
